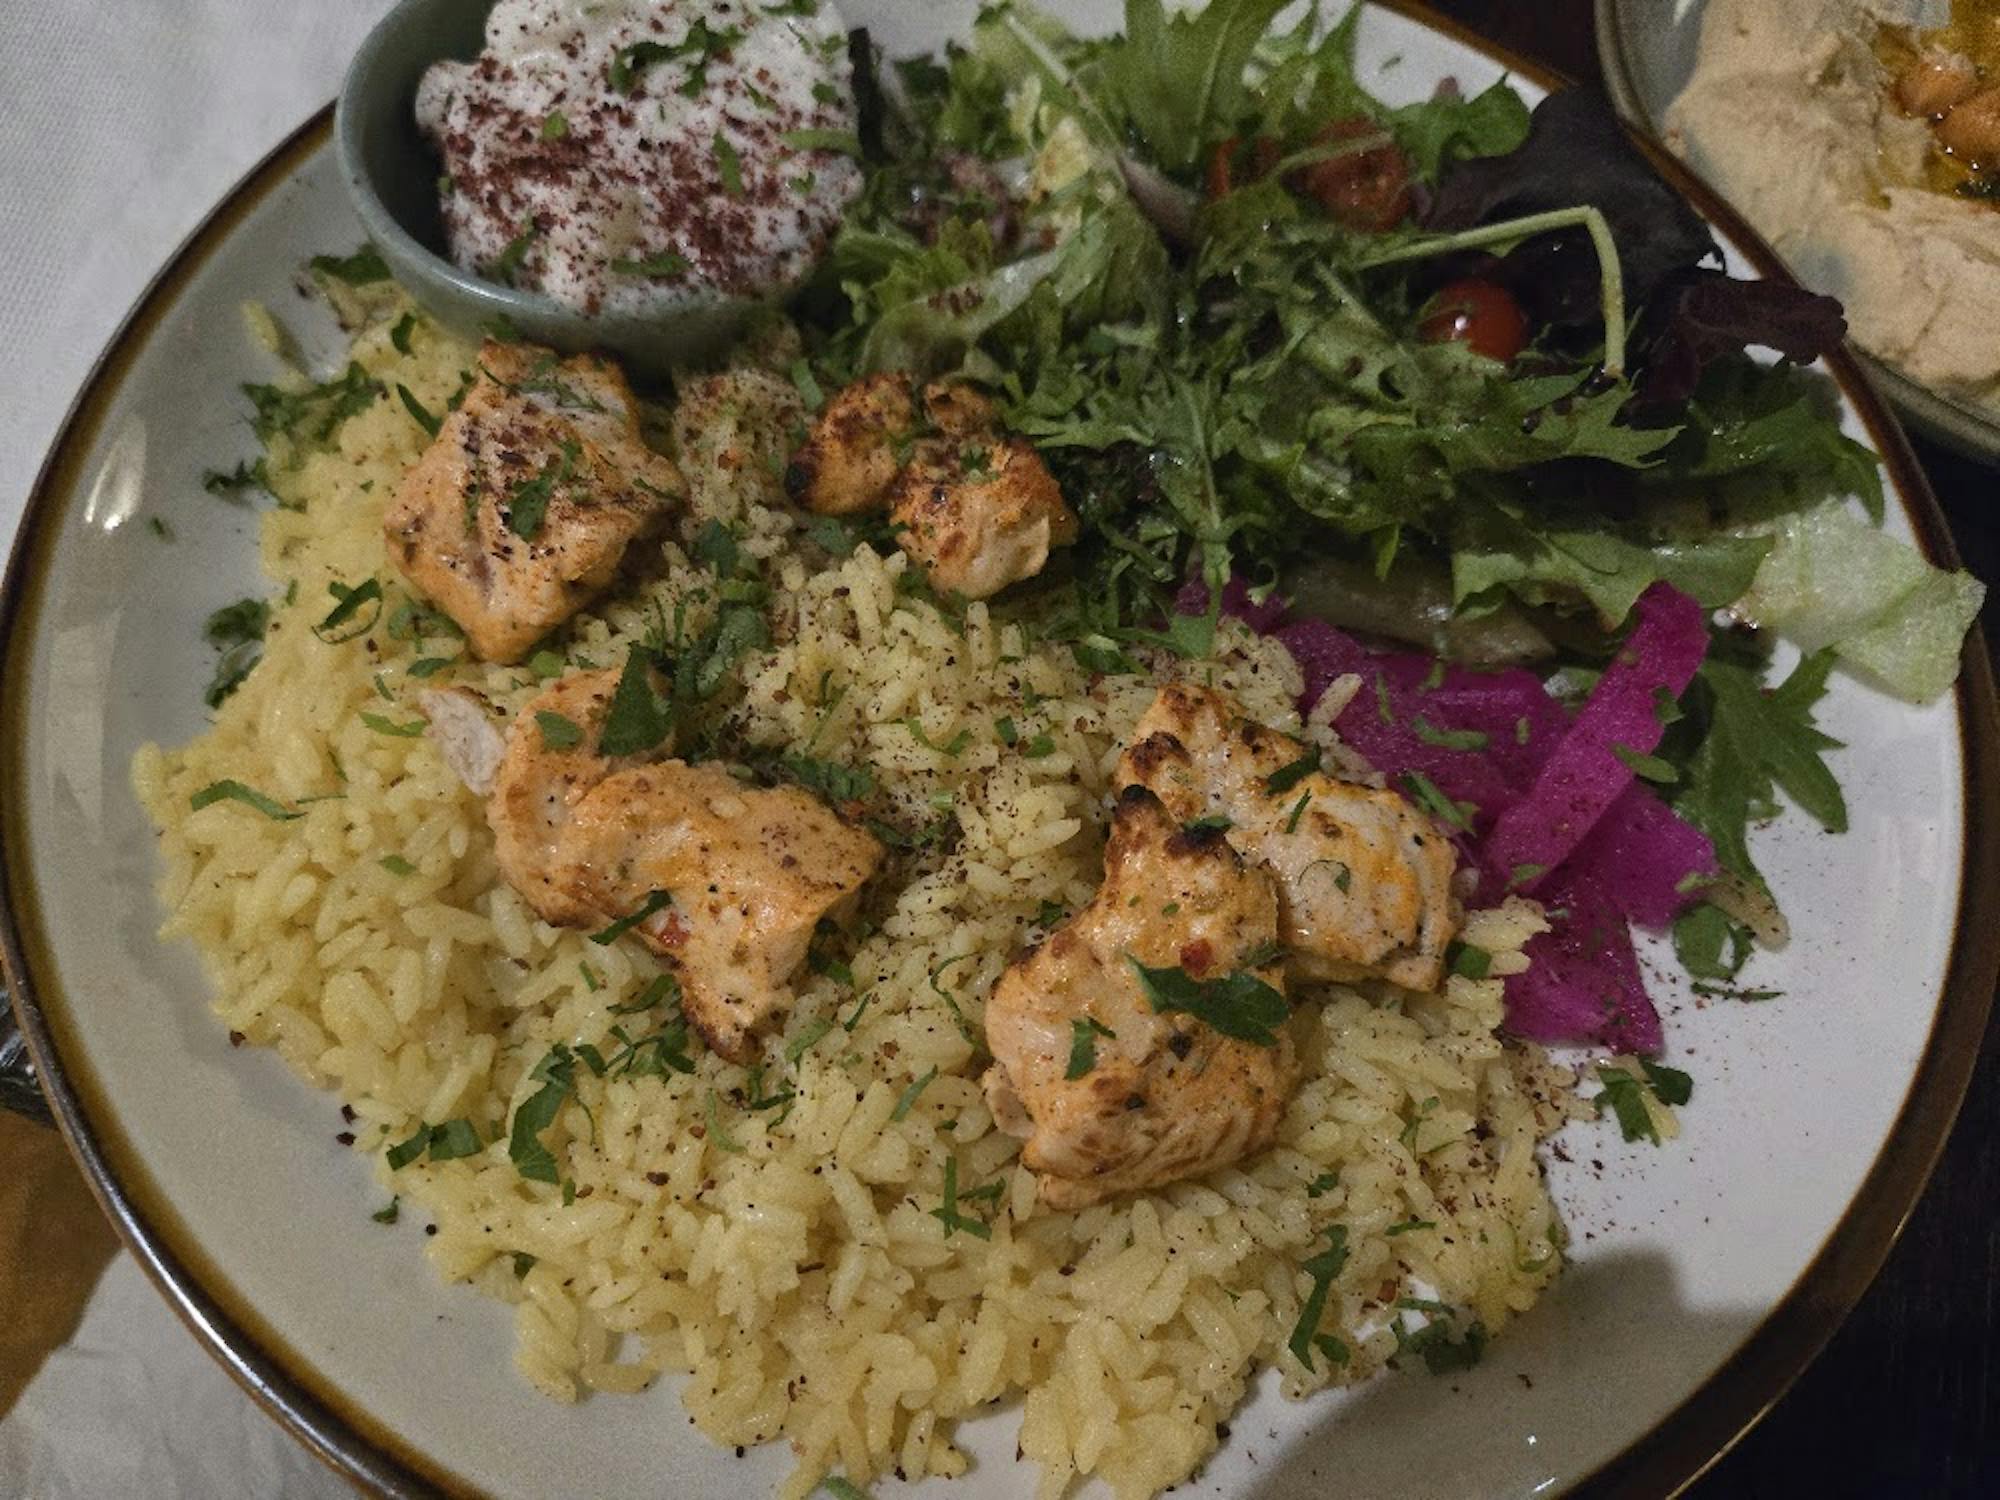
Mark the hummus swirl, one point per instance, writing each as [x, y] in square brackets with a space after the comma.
[1794, 115]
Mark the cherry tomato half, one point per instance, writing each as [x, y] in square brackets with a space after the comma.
[1367, 189]
[1224, 158]
[1482, 315]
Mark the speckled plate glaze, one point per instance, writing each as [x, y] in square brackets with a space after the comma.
[1647, 49]
[1706, 1274]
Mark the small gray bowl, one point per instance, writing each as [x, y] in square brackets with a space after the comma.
[392, 172]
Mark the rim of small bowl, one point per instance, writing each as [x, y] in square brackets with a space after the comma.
[422, 268]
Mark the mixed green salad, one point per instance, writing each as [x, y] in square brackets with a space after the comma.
[1457, 374]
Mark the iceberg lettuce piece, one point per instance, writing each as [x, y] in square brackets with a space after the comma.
[1832, 579]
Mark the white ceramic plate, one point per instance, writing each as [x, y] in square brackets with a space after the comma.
[1705, 1274]
[1647, 49]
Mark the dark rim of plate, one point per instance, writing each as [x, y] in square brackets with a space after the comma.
[366, 1449]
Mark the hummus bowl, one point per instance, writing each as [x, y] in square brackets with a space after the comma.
[1705, 1275]
[1650, 54]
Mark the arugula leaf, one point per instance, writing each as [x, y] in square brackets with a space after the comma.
[1751, 743]
[1238, 1005]
[1177, 78]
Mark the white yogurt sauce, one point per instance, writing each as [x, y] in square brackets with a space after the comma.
[614, 154]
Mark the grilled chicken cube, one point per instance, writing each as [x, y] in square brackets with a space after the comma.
[853, 453]
[866, 433]
[461, 724]
[551, 763]
[1166, 1095]
[1364, 877]
[977, 514]
[974, 507]
[747, 873]
[521, 509]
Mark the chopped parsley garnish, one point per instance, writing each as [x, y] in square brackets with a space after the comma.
[663, 990]
[399, 336]
[1434, 1343]
[637, 720]
[1322, 1268]
[428, 666]
[1425, 793]
[1448, 739]
[1647, 767]
[390, 1214]
[1009, 735]
[419, 413]
[1238, 1005]
[721, 1139]
[700, 43]
[1049, 913]
[395, 864]
[505, 266]
[854, 1017]
[556, 1073]
[1286, 777]
[390, 727]
[446, 1142]
[1323, 1184]
[830, 780]
[813, 394]
[524, 1263]
[1624, 1095]
[666, 263]
[544, 665]
[454, 1138]
[245, 476]
[554, 126]
[728, 164]
[1469, 961]
[1298, 811]
[558, 731]
[906, 1101]
[347, 611]
[953, 747]
[843, 142]
[1039, 746]
[947, 1212]
[314, 414]
[237, 632]
[364, 267]
[656, 901]
[236, 791]
[1408, 1225]
[807, 1039]
[1083, 1034]
[530, 500]
[1211, 823]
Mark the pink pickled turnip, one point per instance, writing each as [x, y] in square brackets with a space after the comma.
[1586, 772]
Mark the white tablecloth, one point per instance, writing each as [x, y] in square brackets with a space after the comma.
[126, 122]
